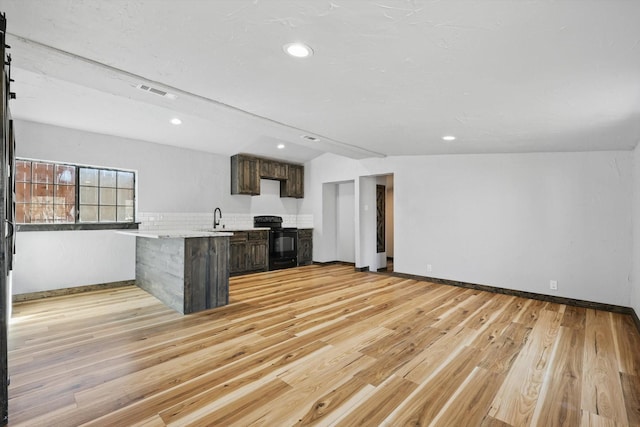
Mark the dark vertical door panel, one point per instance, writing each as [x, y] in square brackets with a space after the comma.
[206, 278]
[196, 275]
[380, 228]
[220, 270]
[7, 189]
[11, 199]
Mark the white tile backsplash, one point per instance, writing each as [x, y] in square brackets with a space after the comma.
[204, 220]
[304, 221]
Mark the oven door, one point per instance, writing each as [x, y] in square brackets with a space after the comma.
[283, 249]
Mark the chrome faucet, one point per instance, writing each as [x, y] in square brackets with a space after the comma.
[216, 220]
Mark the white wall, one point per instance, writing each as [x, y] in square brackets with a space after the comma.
[507, 220]
[326, 232]
[71, 258]
[321, 176]
[366, 253]
[269, 201]
[170, 179]
[635, 275]
[345, 217]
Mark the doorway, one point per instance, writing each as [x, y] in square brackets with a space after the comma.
[350, 226]
[375, 222]
[338, 223]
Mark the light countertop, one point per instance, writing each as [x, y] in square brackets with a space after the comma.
[240, 228]
[175, 234]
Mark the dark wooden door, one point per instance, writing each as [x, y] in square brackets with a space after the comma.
[206, 278]
[294, 185]
[380, 218]
[272, 169]
[219, 272]
[245, 175]
[7, 214]
[196, 274]
[305, 252]
[250, 177]
[305, 247]
[237, 257]
[258, 253]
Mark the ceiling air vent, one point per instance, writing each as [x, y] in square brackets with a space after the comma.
[310, 138]
[159, 92]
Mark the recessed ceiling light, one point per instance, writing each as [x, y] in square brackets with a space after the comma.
[449, 138]
[298, 50]
[176, 121]
[280, 146]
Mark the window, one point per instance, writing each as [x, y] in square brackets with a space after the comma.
[57, 193]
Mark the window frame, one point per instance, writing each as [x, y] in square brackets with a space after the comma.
[77, 225]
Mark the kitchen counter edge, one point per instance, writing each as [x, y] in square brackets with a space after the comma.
[175, 234]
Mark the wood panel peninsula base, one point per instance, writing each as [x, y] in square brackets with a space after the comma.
[187, 271]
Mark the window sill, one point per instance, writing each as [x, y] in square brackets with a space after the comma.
[79, 227]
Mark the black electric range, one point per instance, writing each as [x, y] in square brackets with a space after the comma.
[283, 242]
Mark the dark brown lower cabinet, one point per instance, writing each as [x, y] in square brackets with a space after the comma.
[305, 246]
[248, 251]
[237, 254]
[257, 255]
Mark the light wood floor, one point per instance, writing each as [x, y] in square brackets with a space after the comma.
[326, 346]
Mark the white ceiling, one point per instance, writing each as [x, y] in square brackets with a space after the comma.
[388, 77]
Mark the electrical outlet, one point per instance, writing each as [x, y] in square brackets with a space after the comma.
[553, 284]
[429, 268]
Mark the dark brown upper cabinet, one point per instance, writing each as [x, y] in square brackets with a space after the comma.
[271, 169]
[294, 185]
[245, 178]
[246, 171]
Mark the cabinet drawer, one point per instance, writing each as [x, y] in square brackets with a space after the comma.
[302, 233]
[238, 236]
[258, 235]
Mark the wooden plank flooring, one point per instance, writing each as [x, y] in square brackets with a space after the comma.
[322, 345]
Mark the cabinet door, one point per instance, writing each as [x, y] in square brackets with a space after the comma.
[258, 255]
[219, 272]
[196, 269]
[237, 257]
[305, 246]
[273, 170]
[305, 251]
[294, 185]
[245, 176]
[258, 250]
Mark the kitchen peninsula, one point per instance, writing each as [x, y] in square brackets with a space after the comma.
[186, 270]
